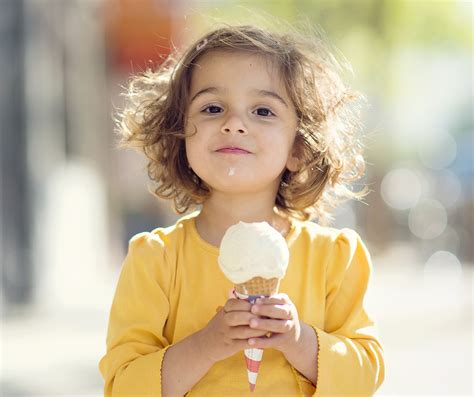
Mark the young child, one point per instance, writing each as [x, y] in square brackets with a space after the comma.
[250, 126]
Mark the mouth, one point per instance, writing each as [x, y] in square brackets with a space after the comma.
[232, 150]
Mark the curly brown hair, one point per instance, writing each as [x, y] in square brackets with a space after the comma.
[329, 149]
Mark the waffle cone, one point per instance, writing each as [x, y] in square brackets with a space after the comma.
[259, 286]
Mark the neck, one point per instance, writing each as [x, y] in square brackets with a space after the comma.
[219, 212]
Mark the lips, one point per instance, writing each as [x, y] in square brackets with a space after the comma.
[232, 150]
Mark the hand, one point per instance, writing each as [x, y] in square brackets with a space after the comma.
[279, 317]
[228, 331]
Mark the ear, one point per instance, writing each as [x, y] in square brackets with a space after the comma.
[293, 163]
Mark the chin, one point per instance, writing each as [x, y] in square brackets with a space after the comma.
[238, 182]
[240, 186]
[235, 188]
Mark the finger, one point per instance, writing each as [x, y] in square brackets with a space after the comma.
[281, 312]
[236, 305]
[241, 344]
[244, 332]
[278, 326]
[235, 318]
[273, 300]
[264, 342]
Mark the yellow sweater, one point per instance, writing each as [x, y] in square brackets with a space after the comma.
[171, 285]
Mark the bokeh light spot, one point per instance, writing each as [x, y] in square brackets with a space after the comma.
[428, 219]
[401, 188]
[448, 188]
[443, 264]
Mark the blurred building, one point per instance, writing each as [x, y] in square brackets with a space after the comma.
[62, 194]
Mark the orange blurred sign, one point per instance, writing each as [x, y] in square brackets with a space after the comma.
[138, 31]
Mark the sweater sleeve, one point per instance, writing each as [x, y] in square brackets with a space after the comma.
[350, 358]
[135, 341]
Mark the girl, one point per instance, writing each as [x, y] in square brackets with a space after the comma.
[248, 126]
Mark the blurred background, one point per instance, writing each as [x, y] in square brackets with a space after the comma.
[71, 201]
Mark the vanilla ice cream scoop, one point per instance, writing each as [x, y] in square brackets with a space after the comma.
[251, 250]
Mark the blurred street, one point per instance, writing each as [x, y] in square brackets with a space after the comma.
[70, 200]
[425, 324]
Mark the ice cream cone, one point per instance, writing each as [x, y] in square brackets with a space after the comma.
[254, 257]
[252, 290]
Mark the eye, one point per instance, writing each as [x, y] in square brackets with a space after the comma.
[212, 109]
[265, 112]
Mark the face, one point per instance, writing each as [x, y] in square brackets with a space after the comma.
[244, 123]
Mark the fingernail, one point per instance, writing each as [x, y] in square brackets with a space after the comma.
[258, 301]
[251, 342]
[253, 323]
[254, 309]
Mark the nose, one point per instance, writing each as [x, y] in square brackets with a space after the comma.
[234, 125]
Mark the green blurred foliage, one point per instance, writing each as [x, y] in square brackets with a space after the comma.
[434, 23]
[364, 30]
[427, 22]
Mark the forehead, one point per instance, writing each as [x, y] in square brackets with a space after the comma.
[240, 69]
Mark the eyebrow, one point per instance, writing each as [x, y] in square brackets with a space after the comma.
[262, 93]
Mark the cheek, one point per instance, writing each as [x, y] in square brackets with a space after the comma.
[196, 154]
[191, 150]
[277, 142]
